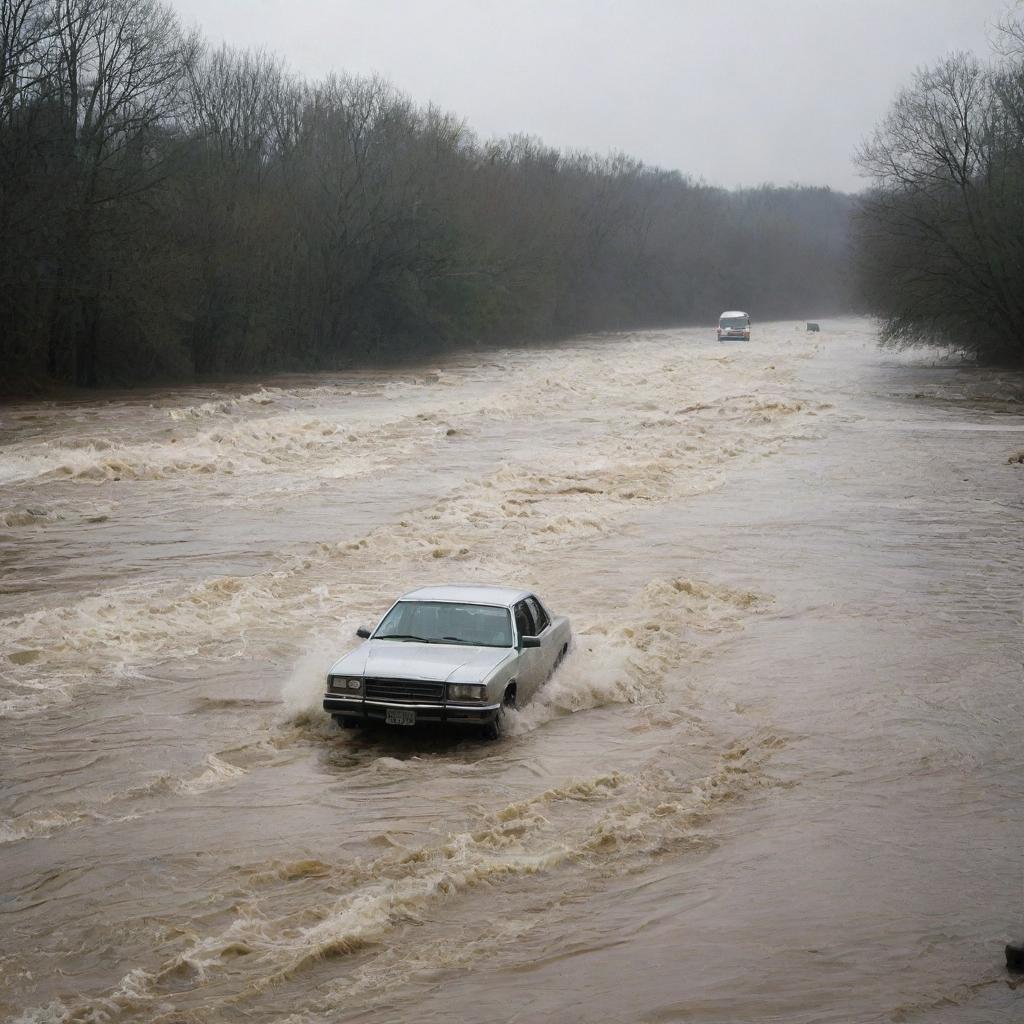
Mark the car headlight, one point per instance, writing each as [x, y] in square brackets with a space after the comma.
[466, 691]
[346, 684]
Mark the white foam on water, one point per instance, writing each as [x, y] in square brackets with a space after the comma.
[303, 690]
[633, 658]
[216, 774]
[472, 533]
[636, 815]
[124, 805]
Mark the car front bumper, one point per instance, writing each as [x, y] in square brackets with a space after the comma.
[360, 709]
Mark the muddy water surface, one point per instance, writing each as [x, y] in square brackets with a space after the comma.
[777, 779]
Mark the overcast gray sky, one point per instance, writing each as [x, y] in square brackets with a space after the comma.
[737, 92]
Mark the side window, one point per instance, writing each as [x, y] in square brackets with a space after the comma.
[539, 615]
[525, 626]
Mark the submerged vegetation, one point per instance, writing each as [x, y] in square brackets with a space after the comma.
[169, 210]
[940, 238]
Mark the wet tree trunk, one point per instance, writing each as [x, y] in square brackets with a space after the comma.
[87, 347]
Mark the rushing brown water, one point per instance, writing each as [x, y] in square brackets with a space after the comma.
[779, 778]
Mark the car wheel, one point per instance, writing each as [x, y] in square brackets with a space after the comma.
[347, 723]
[493, 730]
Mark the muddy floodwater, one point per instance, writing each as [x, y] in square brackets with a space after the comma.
[780, 777]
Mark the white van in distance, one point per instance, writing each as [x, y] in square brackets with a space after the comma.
[734, 325]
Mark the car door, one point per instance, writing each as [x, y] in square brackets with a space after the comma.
[548, 650]
[530, 672]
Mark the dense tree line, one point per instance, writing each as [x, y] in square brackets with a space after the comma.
[168, 210]
[940, 237]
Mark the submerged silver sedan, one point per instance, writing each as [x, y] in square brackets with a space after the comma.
[457, 655]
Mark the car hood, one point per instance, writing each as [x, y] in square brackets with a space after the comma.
[395, 659]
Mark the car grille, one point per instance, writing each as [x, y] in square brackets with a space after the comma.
[404, 691]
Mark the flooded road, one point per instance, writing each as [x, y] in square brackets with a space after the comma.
[778, 778]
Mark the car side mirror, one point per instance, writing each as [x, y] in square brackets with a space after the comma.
[363, 632]
[530, 641]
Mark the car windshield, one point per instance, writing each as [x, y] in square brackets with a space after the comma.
[733, 322]
[444, 622]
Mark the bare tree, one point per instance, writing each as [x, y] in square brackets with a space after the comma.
[116, 83]
[941, 233]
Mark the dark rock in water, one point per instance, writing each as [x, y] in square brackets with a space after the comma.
[811, 326]
[1015, 956]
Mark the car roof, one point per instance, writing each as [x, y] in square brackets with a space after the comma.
[475, 593]
[732, 312]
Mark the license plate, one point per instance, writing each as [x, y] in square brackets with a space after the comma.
[399, 716]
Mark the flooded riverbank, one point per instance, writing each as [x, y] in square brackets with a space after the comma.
[777, 779]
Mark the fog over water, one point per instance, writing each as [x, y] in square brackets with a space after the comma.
[738, 93]
[778, 778]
